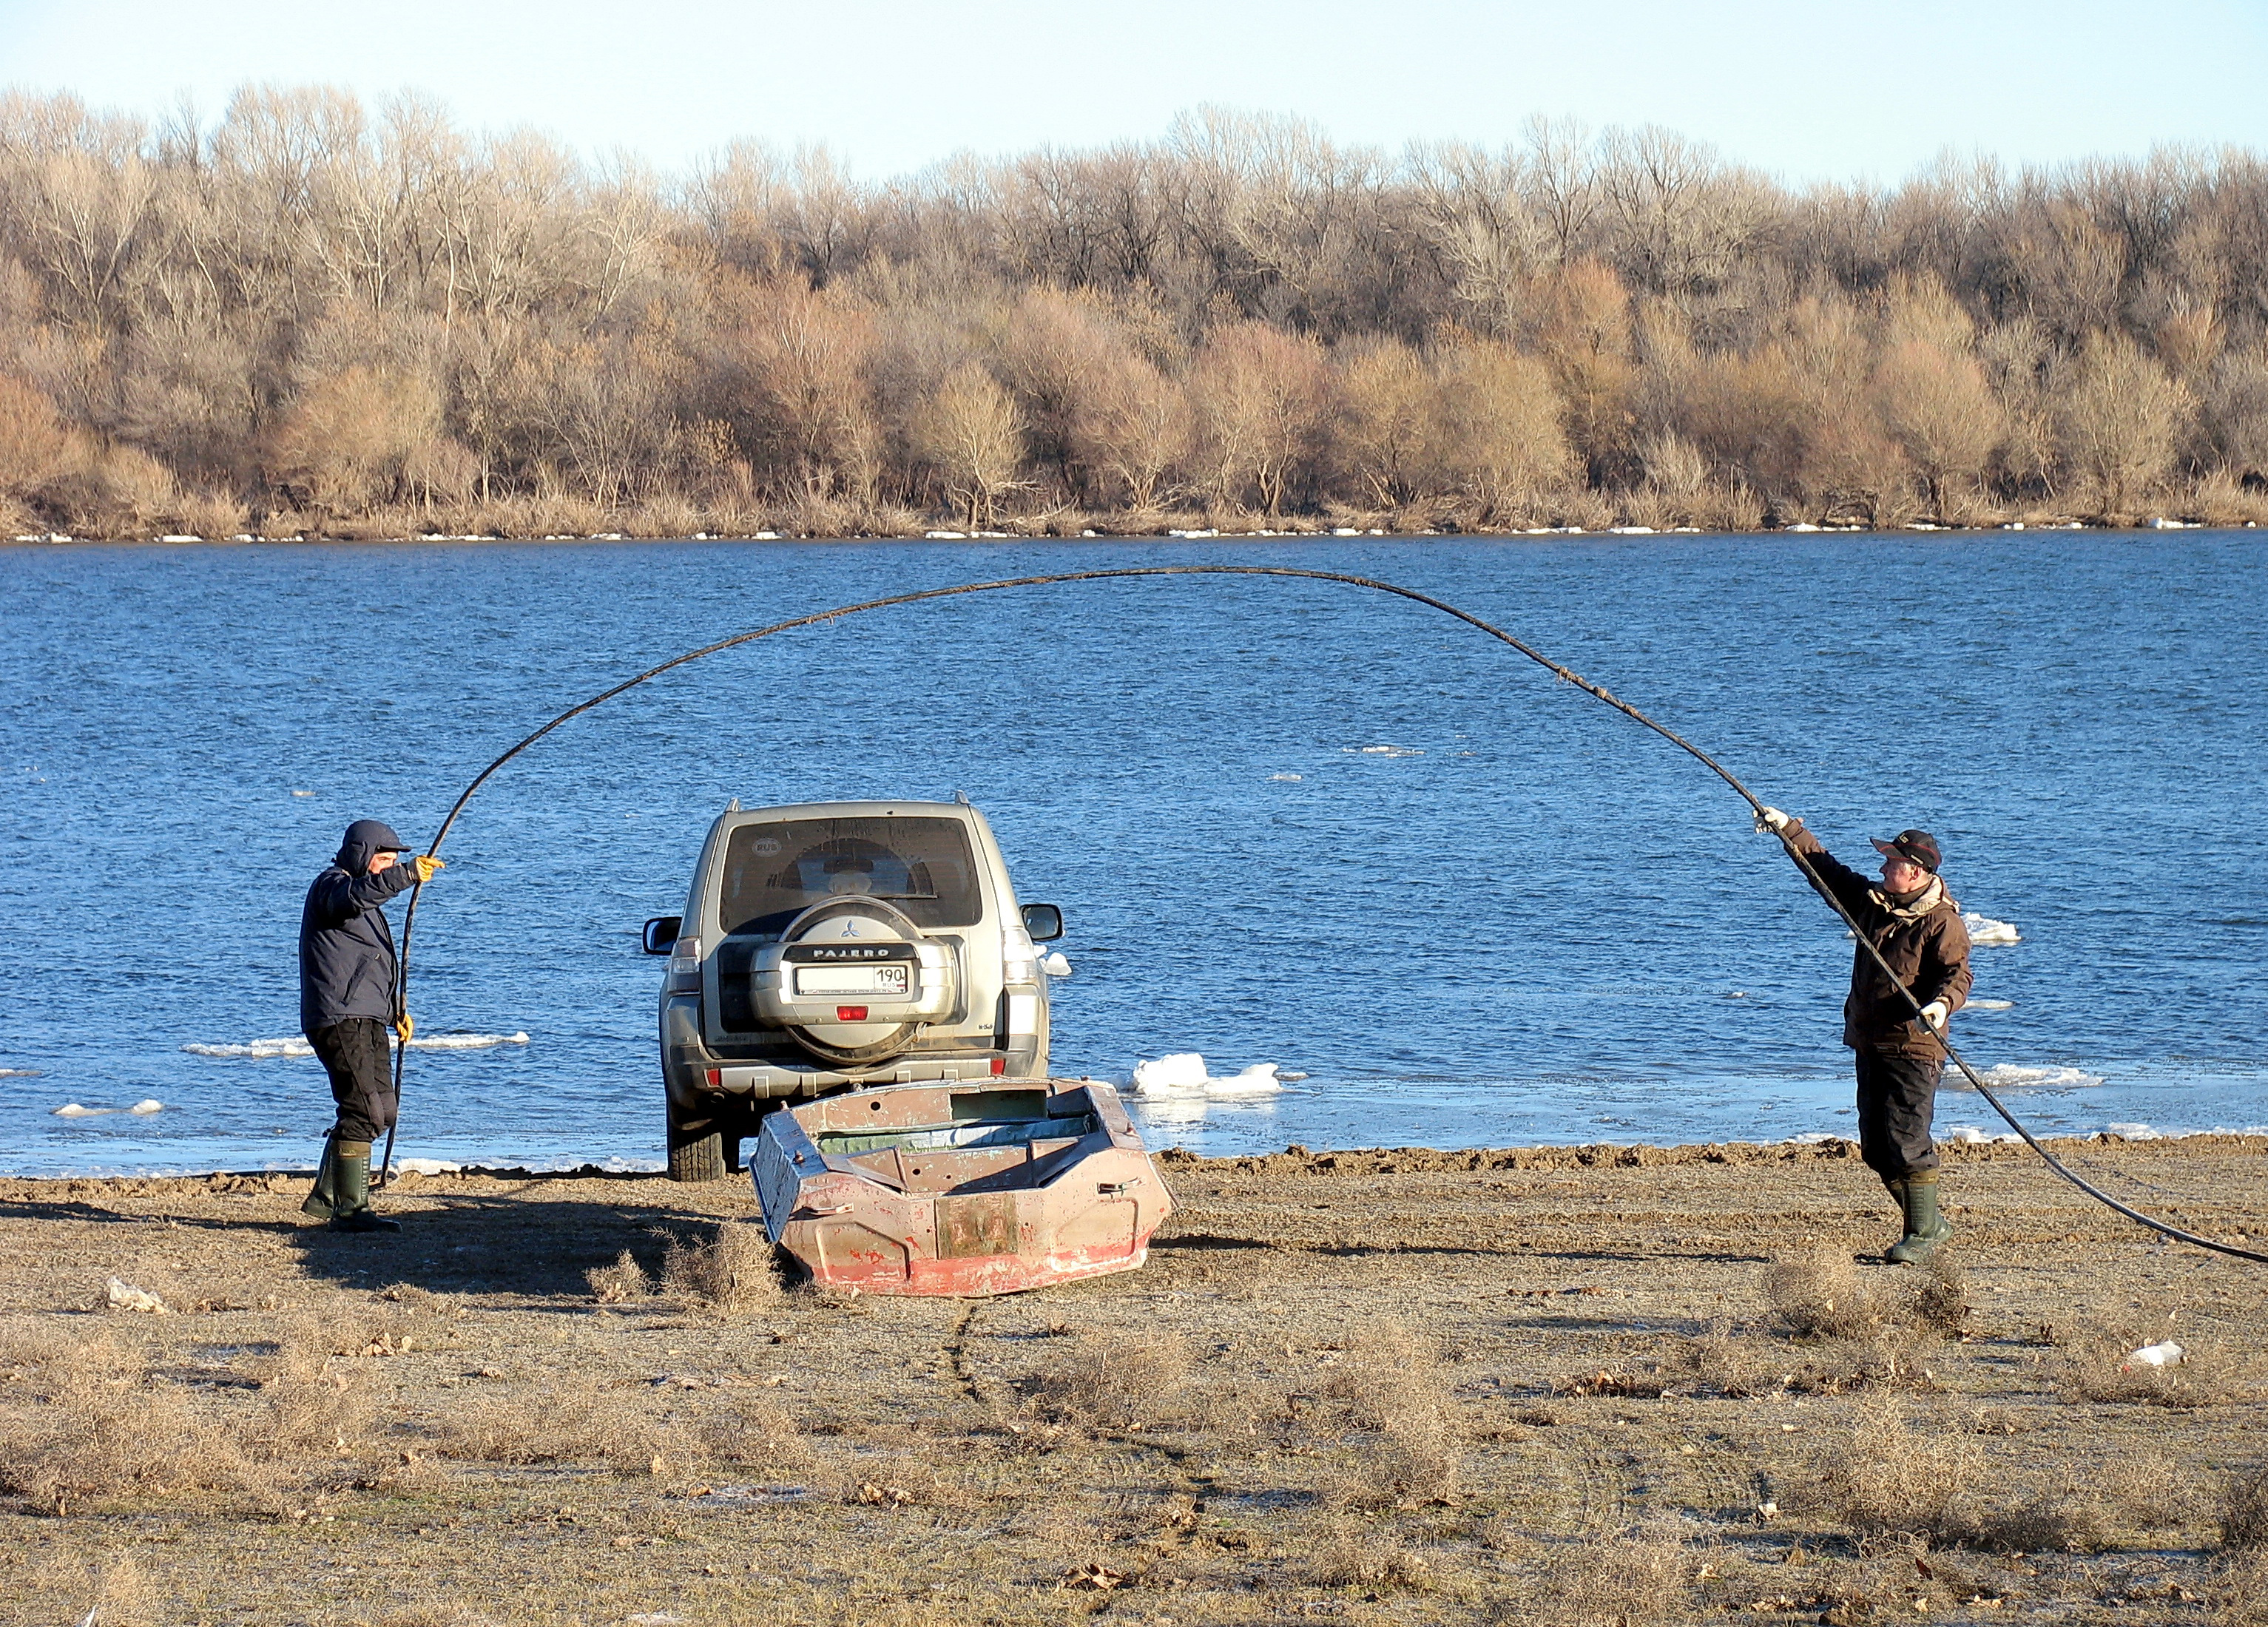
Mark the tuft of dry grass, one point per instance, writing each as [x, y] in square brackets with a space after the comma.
[2100, 1365]
[730, 1274]
[1818, 1295]
[1939, 1300]
[94, 1426]
[1115, 1382]
[109, 1591]
[2244, 1510]
[567, 1423]
[1887, 1481]
[1632, 1580]
[1390, 1387]
[2239, 1591]
[620, 1282]
[1369, 1556]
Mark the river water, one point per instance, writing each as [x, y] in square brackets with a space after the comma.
[1290, 822]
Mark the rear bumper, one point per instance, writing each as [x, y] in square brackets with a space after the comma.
[695, 1077]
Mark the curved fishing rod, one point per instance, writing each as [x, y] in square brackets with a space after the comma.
[1596, 691]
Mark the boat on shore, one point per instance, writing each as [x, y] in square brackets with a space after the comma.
[979, 1188]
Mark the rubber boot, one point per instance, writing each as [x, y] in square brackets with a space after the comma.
[322, 1197]
[1926, 1225]
[351, 1209]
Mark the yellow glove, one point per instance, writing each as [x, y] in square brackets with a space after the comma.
[405, 1025]
[427, 866]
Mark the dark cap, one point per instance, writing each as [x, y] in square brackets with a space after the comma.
[1918, 846]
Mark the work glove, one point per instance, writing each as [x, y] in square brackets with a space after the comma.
[1937, 1015]
[427, 866]
[405, 1025]
[1773, 821]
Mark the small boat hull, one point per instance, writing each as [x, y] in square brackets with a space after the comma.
[961, 1190]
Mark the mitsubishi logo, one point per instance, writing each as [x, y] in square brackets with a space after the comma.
[849, 929]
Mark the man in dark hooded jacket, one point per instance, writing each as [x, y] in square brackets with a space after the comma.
[1916, 926]
[347, 1002]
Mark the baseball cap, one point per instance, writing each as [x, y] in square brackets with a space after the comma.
[1918, 846]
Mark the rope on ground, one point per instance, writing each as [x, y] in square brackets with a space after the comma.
[1596, 691]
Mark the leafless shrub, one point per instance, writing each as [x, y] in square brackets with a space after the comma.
[622, 1281]
[1634, 1579]
[1367, 1555]
[1887, 1479]
[730, 1274]
[2244, 1510]
[1115, 1382]
[1818, 1295]
[2239, 1591]
[756, 1431]
[1940, 1296]
[113, 1591]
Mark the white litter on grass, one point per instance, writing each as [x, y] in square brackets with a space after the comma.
[294, 1046]
[1182, 1076]
[2005, 1074]
[1985, 930]
[126, 1297]
[1990, 1006]
[2165, 1354]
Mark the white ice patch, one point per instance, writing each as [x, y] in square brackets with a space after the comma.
[144, 1107]
[1182, 1077]
[426, 1167]
[1970, 1136]
[294, 1046]
[1990, 1006]
[1056, 964]
[1985, 930]
[18, 1073]
[2136, 1132]
[1384, 751]
[1288, 779]
[467, 1041]
[72, 1109]
[2009, 1074]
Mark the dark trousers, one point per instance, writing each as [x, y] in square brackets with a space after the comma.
[1898, 1096]
[354, 1052]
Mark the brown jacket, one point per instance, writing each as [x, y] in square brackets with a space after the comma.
[1924, 942]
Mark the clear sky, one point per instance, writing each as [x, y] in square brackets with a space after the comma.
[1807, 88]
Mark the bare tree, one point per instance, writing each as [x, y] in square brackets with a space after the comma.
[2118, 420]
[972, 434]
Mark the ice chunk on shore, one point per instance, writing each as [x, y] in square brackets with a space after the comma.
[1970, 1136]
[1985, 930]
[1182, 1077]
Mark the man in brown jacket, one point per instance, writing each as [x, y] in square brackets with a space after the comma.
[1916, 925]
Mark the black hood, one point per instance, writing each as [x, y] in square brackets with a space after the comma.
[366, 838]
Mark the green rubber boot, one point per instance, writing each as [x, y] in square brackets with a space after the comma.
[1926, 1225]
[351, 1209]
[322, 1197]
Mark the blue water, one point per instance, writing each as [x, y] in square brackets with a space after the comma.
[1534, 921]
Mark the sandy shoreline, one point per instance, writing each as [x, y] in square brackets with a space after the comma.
[1556, 1385]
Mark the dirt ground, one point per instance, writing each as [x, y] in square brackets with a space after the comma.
[1554, 1386]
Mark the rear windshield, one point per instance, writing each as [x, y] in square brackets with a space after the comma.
[923, 866]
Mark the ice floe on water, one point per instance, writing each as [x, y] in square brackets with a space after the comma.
[1288, 779]
[294, 1046]
[1384, 751]
[140, 1110]
[1990, 1006]
[1182, 1077]
[18, 1073]
[2002, 1075]
[1984, 929]
[1970, 1136]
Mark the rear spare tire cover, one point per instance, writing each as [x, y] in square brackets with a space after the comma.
[852, 920]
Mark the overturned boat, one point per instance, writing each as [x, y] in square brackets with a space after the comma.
[947, 1188]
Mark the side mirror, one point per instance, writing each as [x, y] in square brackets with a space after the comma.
[1043, 922]
[662, 933]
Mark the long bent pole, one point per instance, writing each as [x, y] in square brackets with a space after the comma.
[1596, 691]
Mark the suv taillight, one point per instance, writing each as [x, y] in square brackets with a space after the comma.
[685, 967]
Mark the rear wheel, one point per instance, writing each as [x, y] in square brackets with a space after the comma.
[697, 1151]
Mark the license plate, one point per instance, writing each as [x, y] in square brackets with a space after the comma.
[884, 979]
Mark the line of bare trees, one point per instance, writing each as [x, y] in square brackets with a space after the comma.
[307, 320]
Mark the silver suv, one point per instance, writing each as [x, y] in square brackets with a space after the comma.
[831, 946]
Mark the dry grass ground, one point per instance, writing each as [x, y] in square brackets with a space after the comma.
[1550, 1389]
